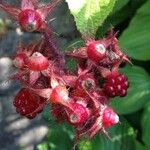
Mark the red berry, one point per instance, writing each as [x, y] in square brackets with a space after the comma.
[78, 115]
[96, 51]
[116, 85]
[37, 62]
[20, 60]
[30, 20]
[28, 104]
[109, 117]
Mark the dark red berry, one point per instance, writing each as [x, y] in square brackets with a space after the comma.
[116, 85]
[28, 104]
[30, 20]
[96, 51]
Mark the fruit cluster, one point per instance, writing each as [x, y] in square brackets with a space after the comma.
[81, 97]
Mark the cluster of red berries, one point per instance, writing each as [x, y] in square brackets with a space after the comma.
[80, 98]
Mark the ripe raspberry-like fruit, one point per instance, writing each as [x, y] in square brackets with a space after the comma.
[96, 51]
[28, 104]
[109, 117]
[116, 85]
[37, 62]
[30, 20]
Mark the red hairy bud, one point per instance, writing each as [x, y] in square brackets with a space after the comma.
[78, 115]
[109, 117]
[96, 51]
[30, 16]
[37, 62]
[30, 20]
[84, 82]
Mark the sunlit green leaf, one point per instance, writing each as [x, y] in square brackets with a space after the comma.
[90, 14]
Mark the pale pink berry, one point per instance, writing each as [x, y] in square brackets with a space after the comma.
[109, 117]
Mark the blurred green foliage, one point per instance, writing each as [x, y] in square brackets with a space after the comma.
[132, 19]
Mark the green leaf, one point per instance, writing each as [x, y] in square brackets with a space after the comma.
[135, 39]
[42, 146]
[122, 138]
[119, 4]
[90, 14]
[119, 14]
[138, 92]
[146, 125]
[60, 137]
[139, 146]
[93, 144]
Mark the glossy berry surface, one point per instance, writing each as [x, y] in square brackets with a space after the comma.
[96, 51]
[109, 117]
[27, 104]
[116, 85]
[37, 62]
[30, 20]
[78, 115]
